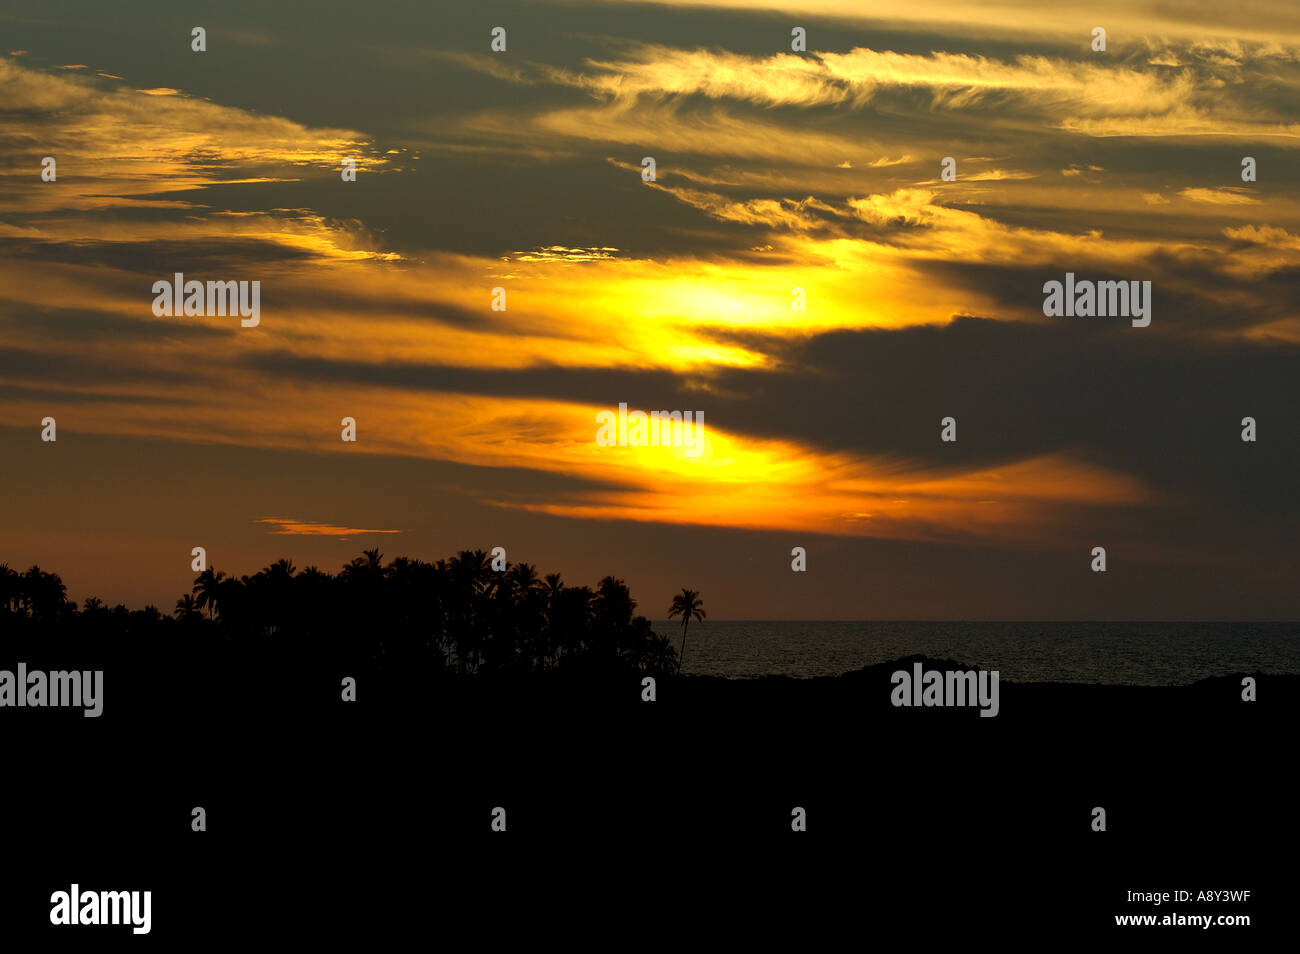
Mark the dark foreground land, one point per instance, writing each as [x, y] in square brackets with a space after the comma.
[373, 818]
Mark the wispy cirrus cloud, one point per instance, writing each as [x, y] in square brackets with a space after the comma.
[282, 526]
[1221, 196]
[1095, 97]
[118, 146]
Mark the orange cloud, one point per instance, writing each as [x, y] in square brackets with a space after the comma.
[116, 145]
[301, 528]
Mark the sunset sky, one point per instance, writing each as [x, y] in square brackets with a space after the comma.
[775, 170]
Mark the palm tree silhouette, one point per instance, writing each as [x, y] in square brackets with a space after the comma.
[525, 578]
[10, 585]
[186, 607]
[44, 597]
[688, 606]
[207, 590]
[469, 575]
[457, 616]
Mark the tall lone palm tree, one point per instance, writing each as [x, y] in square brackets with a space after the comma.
[688, 606]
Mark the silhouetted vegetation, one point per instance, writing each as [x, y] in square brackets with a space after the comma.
[455, 618]
[688, 605]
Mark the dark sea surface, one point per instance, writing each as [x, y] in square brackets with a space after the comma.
[1164, 654]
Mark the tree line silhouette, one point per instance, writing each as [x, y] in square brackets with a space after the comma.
[456, 617]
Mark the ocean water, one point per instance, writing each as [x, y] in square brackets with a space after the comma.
[1113, 653]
